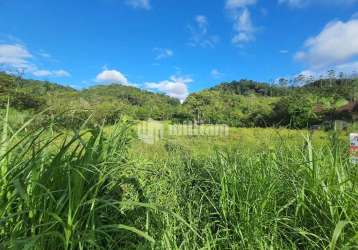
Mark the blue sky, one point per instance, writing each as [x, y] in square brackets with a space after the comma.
[176, 46]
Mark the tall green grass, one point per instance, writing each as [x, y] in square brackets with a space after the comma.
[61, 192]
[283, 198]
[84, 191]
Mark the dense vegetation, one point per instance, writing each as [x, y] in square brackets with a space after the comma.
[88, 191]
[238, 103]
[248, 104]
[98, 187]
[105, 103]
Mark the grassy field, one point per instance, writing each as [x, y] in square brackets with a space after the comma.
[103, 188]
[248, 140]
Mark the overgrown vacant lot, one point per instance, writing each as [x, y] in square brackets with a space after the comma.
[168, 125]
[103, 189]
[248, 140]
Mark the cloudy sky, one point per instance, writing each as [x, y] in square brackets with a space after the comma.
[176, 46]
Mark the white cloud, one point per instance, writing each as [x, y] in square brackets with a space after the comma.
[175, 87]
[244, 28]
[334, 48]
[112, 76]
[44, 54]
[42, 73]
[17, 57]
[139, 4]
[234, 4]
[163, 53]
[199, 33]
[310, 74]
[243, 22]
[14, 55]
[202, 21]
[304, 3]
[336, 44]
[61, 73]
[241, 16]
[53, 73]
[215, 73]
[348, 70]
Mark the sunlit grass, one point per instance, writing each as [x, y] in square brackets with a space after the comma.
[101, 188]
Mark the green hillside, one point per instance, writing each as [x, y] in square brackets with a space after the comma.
[243, 103]
[106, 103]
[249, 103]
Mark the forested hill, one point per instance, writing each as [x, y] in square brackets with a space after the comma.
[247, 87]
[249, 103]
[28, 94]
[238, 103]
[104, 102]
[343, 88]
[139, 104]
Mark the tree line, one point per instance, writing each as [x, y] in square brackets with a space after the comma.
[297, 103]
